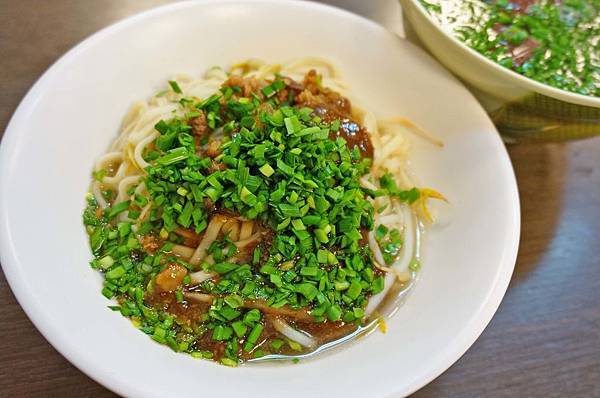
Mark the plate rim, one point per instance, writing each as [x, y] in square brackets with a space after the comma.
[10, 263]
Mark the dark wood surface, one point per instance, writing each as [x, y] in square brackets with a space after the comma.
[544, 340]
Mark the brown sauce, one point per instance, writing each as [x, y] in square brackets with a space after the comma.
[186, 312]
[191, 313]
[285, 311]
[327, 331]
[329, 106]
[206, 343]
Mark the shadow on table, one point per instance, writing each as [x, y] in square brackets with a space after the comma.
[541, 172]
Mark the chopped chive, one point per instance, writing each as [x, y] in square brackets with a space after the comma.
[221, 333]
[334, 312]
[276, 344]
[414, 264]
[239, 328]
[251, 317]
[267, 170]
[298, 225]
[118, 208]
[307, 290]
[179, 296]
[106, 262]
[175, 86]
[229, 362]
[354, 290]
[115, 273]
[294, 345]
[253, 337]
[173, 156]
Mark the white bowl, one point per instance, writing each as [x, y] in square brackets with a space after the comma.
[478, 70]
[72, 113]
[523, 109]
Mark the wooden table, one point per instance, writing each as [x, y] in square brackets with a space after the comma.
[544, 340]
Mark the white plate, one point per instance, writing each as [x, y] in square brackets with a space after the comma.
[72, 113]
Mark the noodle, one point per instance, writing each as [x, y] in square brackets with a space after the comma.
[215, 241]
[212, 231]
[246, 230]
[243, 243]
[183, 251]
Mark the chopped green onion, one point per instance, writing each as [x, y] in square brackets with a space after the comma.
[173, 156]
[253, 337]
[118, 208]
[267, 170]
[115, 273]
[175, 86]
[106, 262]
[221, 333]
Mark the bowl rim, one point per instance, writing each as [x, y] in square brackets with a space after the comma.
[10, 263]
[527, 82]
